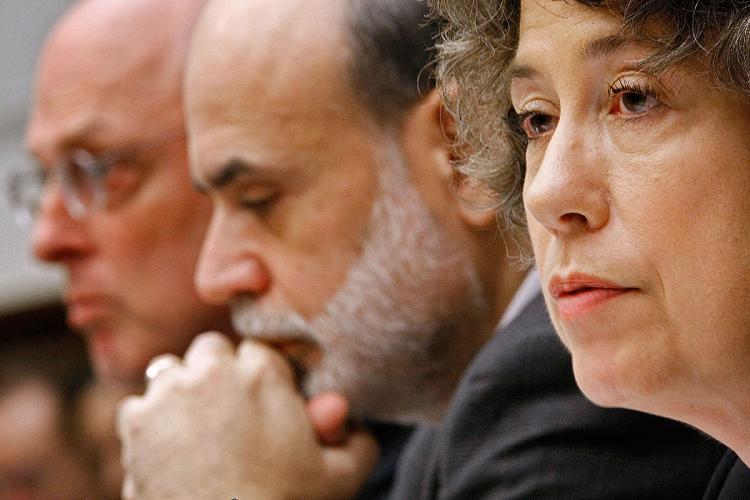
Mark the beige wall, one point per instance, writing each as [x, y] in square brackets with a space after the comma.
[23, 24]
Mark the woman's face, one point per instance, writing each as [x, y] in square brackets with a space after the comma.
[637, 195]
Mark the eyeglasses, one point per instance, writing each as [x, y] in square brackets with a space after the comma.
[82, 177]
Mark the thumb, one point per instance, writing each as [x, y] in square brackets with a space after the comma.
[350, 464]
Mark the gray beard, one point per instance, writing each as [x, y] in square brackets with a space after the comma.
[395, 336]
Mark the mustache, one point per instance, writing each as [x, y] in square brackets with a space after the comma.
[252, 321]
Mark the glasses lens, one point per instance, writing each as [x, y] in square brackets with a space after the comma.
[82, 179]
[24, 192]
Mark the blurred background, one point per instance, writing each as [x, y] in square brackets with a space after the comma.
[24, 285]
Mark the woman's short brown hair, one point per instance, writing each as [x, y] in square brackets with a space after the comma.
[479, 39]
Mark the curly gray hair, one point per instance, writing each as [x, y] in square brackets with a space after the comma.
[479, 39]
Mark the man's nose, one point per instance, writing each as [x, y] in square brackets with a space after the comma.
[56, 236]
[230, 264]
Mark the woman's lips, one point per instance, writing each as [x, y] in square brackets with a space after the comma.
[579, 294]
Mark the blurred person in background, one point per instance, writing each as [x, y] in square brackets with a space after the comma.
[42, 454]
[112, 199]
[113, 204]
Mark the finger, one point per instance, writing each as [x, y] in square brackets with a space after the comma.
[162, 371]
[125, 409]
[351, 464]
[328, 415]
[160, 365]
[208, 347]
[128, 422]
[259, 360]
[128, 489]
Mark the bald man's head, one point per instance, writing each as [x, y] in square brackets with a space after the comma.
[237, 41]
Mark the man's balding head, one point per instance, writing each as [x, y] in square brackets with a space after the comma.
[383, 48]
[122, 53]
[335, 234]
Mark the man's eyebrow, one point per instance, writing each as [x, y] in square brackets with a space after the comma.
[232, 169]
[85, 135]
[593, 49]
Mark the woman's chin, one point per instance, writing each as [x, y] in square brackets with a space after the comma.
[603, 384]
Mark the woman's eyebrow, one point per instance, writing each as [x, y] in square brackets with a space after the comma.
[604, 46]
[592, 49]
[522, 72]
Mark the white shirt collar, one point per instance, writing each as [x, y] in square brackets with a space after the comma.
[529, 289]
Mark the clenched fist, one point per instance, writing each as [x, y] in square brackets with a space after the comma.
[225, 425]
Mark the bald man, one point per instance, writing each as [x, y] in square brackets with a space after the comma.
[115, 206]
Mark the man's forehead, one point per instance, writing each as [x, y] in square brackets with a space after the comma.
[127, 42]
[236, 51]
[96, 110]
[91, 83]
[103, 51]
[266, 30]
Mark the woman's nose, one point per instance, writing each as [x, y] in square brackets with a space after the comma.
[567, 191]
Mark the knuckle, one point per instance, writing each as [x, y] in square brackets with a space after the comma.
[209, 339]
[262, 365]
[165, 382]
[211, 370]
[128, 414]
[208, 348]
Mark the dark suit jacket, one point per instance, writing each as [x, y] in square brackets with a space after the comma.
[391, 439]
[731, 480]
[519, 427]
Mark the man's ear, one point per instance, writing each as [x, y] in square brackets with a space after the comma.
[431, 143]
[476, 202]
[429, 136]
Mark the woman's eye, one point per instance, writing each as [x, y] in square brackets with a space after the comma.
[632, 103]
[632, 99]
[536, 125]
